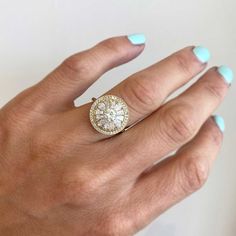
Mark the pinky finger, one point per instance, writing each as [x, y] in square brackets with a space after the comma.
[178, 176]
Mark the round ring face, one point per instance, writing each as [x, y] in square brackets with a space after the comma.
[109, 114]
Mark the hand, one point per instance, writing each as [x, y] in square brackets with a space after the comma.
[59, 176]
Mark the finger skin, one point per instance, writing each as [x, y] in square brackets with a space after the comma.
[175, 123]
[79, 71]
[146, 90]
[175, 178]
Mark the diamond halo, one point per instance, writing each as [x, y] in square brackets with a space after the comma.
[109, 114]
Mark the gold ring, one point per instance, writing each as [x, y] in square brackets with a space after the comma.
[109, 114]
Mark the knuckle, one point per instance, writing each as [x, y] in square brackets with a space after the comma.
[217, 137]
[23, 107]
[177, 123]
[211, 132]
[184, 62]
[139, 95]
[78, 64]
[79, 188]
[215, 89]
[195, 174]
[114, 45]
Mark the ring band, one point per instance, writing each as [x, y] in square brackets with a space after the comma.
[109, 114]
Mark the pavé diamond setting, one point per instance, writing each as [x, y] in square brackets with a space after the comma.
[109, 114]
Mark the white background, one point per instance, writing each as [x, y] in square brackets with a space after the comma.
[37, 35]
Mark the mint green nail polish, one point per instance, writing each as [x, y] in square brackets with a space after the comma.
[227, 73]
[137, 39]
[202, 54]
[220, 122]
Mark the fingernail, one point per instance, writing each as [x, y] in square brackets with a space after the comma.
[220, 122]
[202, 54]
[226, 73]
[137, 39]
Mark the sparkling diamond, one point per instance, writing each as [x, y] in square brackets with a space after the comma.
[101, 122]
[109, 114]
[121, 118]
[99, 112]
[120, 112]
[101, 106]
[118, 123]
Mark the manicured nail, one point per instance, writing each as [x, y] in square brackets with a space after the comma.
[220, 122]
[137, 39]
[202, 54]
[226, 73]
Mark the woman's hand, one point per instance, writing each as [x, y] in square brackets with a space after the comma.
[59, 176]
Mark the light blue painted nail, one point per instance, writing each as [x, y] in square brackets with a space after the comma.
[227, 73]
[137, 39]
[220, 122]
[202, 54]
